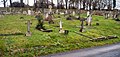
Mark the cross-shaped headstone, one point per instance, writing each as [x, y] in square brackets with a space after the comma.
[82, 24]
[28, 33]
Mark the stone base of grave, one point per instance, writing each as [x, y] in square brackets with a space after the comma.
[63, 32]
[28, 34]
[117, 19]
[103, 38]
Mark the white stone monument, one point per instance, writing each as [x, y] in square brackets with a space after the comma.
[61, 30]
[29, 12]
[88, 13]
[50, 9]
[89, 20]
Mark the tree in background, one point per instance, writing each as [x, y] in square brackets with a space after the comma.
[10, 2]
[4, 2]
[114, 3]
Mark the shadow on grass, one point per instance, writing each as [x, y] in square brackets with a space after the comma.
[15, 34]
[83, 35]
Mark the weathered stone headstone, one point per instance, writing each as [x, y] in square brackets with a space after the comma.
[73, 13]
[49, 19]
[24, 12]
[50, 8]
[28, 33]
[57, 11]
[89, 20]
[106, 15]
[29, 12]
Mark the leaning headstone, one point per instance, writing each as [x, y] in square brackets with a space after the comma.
[28, 33]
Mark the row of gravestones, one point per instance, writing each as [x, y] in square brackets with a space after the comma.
[49, 18]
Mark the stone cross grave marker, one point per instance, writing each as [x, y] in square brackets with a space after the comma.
[82, 24]
[28, 33]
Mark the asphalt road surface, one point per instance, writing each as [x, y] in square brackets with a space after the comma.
[103, 51]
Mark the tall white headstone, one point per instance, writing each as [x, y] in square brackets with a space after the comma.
[60, 24]
[88, 13]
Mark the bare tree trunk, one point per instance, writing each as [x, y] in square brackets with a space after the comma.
[66, 1]
[4, 3]
[10, 3]
[58, 4]
[84, 4]
[47, 4]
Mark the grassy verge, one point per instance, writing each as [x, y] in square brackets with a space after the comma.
[13, 43]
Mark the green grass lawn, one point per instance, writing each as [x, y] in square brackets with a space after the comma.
[13, 43]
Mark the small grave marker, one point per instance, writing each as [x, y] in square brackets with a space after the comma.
[88, 13]
[28, 33]
[73, 13]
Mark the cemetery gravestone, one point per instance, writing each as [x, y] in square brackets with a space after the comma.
[106, 15]
[40, 22]
[49, 19]
[50, 9]
[28, 33]
[57, 11]
[24, 12]
[29, 12]
[65, 32]
[82, 24]
[73, 13]
[89, 20]
[88, 13]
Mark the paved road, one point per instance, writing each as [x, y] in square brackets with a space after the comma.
[103, 51]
